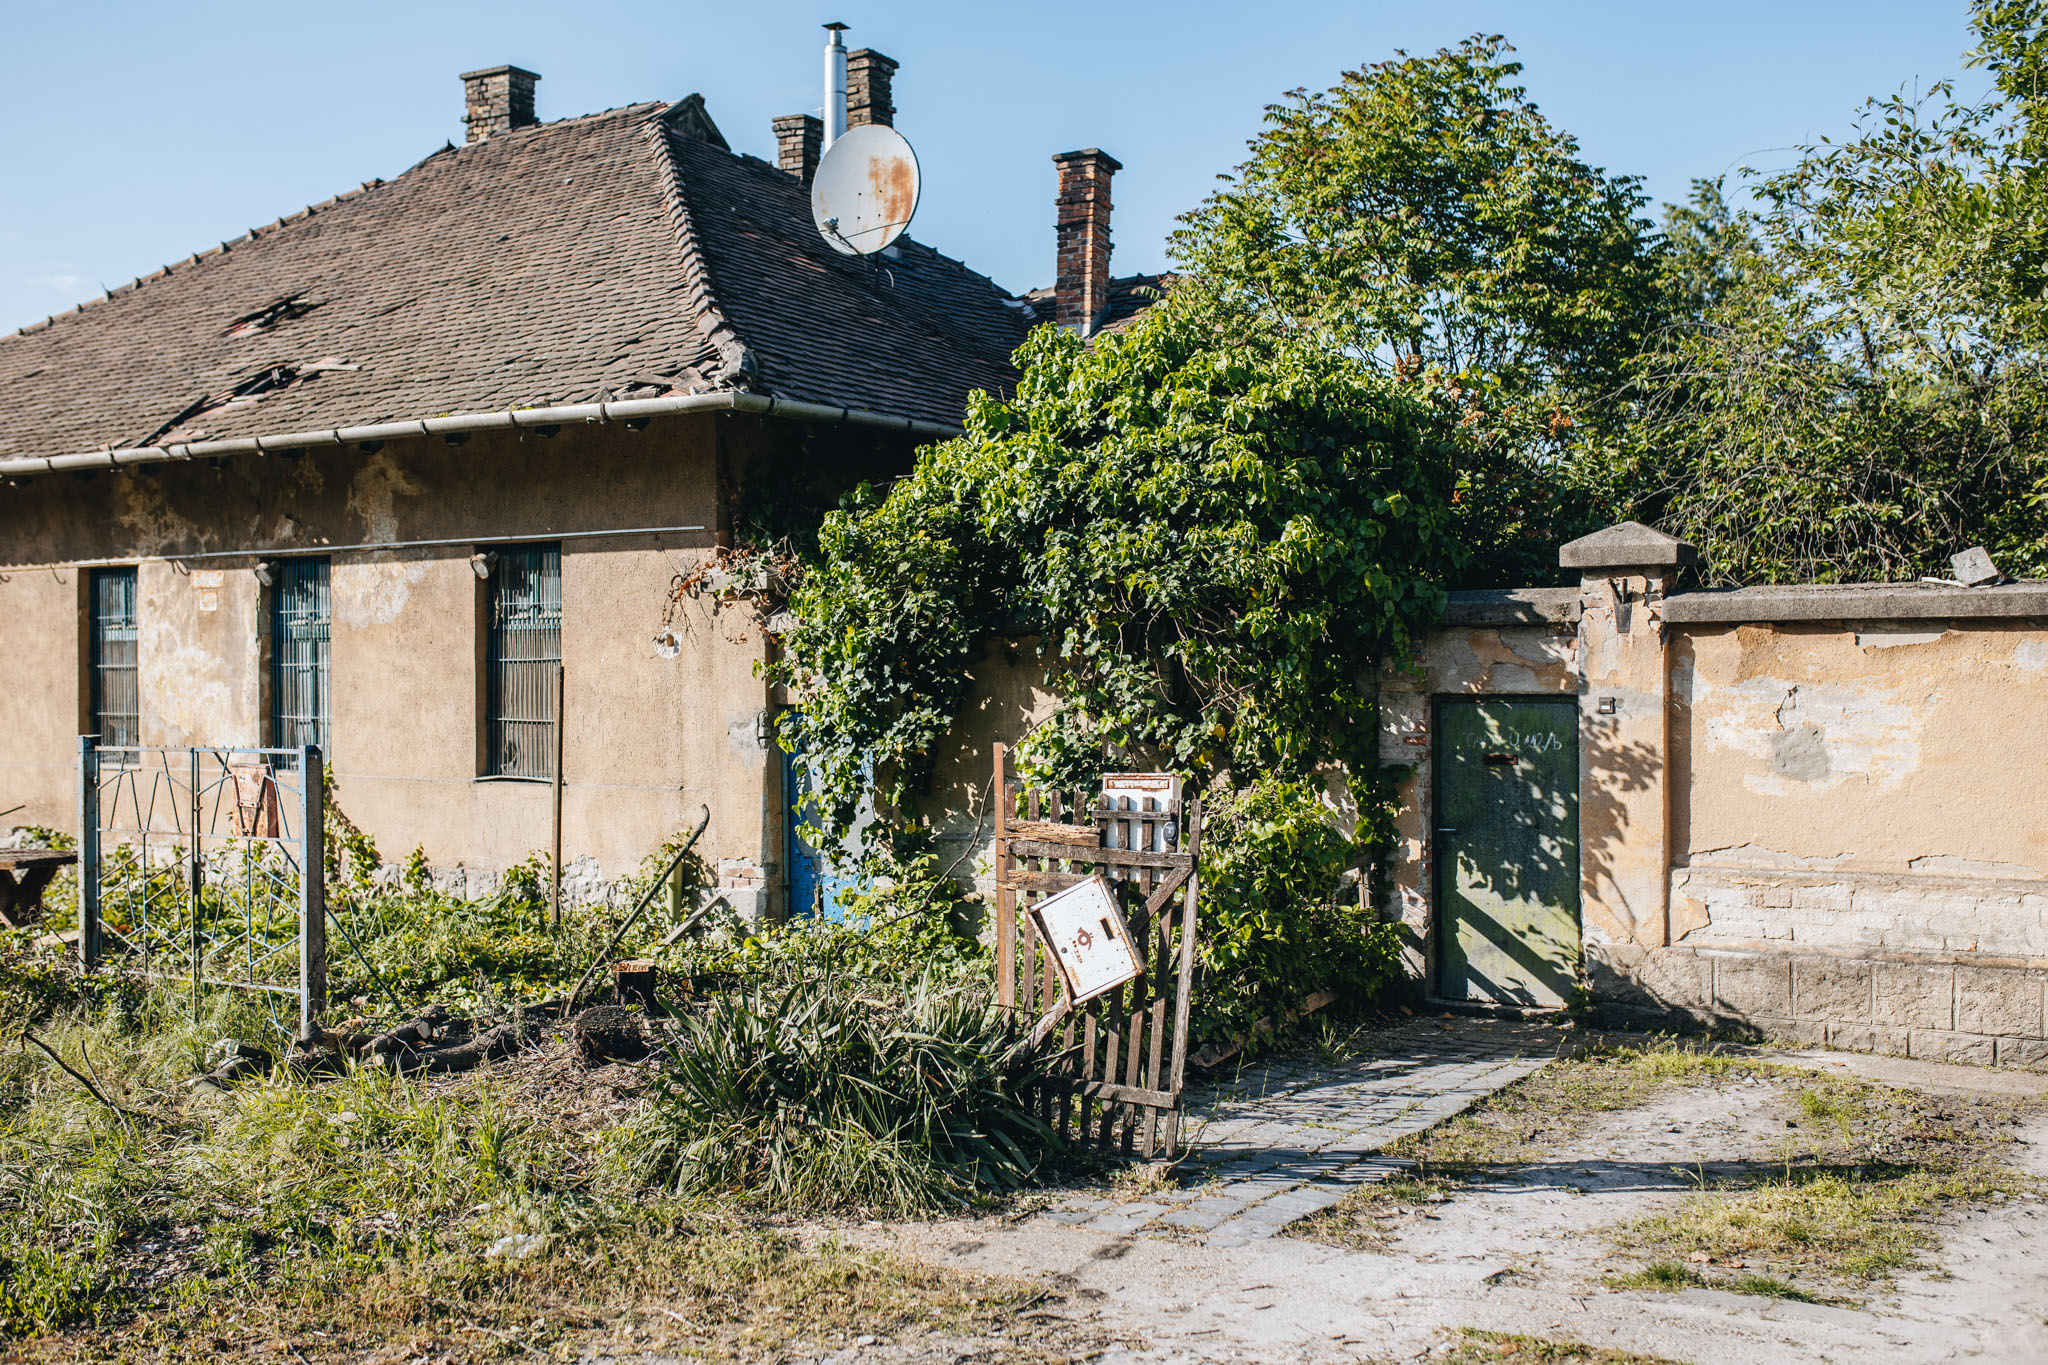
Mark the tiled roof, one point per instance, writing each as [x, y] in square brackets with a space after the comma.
[1129, 297]
[618, 251]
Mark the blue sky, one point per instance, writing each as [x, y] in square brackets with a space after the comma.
[134, 134]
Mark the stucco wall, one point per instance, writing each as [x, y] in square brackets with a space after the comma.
[1862, 837]
[1007, 699]
[1830, 830]
[647, 738]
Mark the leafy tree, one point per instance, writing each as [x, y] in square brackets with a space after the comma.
[1861, 393]
[1426, 216]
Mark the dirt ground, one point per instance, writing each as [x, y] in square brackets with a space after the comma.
[1533, 1250]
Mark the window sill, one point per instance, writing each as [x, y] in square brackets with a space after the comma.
[507, 777]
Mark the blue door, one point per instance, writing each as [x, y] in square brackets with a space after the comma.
[816, 887]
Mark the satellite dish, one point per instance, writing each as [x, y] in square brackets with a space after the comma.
[865, 190]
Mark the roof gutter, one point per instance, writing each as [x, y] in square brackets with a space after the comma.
[512, 419]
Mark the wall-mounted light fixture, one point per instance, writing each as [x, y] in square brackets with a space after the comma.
[483, 562]
[265, 572]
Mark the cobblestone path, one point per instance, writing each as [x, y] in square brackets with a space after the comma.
[1284, 1139]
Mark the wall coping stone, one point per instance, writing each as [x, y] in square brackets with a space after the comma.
[1626, 545]
[1511, 607]
[1859, 602]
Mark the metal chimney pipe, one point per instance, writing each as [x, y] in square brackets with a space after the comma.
[835, 85]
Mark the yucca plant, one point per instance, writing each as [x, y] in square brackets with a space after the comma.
[834, 1093]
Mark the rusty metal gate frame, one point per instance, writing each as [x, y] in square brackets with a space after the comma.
[177, 823]
[1116, 1082]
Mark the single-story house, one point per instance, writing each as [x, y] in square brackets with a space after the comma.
[364, 477]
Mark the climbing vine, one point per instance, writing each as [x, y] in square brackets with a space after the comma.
[1211, 532]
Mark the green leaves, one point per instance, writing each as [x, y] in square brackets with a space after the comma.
[1210, 529]
[1860, 393]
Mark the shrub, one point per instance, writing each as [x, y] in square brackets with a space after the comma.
[828, 1094]
[1279, 919]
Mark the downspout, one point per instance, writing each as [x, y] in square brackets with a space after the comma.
[512, 419]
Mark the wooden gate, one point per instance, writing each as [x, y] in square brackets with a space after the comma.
[1119, 1059]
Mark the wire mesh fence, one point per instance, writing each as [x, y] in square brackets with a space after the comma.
[204, 866]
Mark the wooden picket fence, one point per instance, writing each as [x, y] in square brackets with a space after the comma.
[1120, 1060]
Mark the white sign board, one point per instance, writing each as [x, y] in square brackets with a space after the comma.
[1088, 939]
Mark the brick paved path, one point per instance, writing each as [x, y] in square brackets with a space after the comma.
[1283, 1139]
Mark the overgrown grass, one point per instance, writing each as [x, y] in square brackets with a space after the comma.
[460, 1216]
[1471, 1346]
[1850, 1198]
[468, 1212]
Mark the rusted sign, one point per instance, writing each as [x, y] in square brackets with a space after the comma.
[256, 809]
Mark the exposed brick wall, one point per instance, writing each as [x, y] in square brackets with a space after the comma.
[870, 88]
[1081, 284]
[496, 100]
[798, 138]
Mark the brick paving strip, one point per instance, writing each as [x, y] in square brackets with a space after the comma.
[1286, 1138]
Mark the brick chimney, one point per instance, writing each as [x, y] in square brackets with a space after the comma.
[869, 96]
[497, 99]
[1081, 286]
[797, 140]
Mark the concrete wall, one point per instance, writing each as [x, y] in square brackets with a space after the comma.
[648, 738]
[1815, 814]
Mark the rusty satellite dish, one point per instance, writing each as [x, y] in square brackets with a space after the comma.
[865, 190]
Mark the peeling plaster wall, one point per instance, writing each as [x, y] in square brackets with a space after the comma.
[1862, 839]
[648, 738]
[42, 695]
[1007, 700]
[1805, 749]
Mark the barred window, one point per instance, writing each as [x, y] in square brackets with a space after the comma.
[300, 641]
[116, 696]
[525, 652]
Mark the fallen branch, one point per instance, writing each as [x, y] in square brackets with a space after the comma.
[95, 1091]
[487, 1046]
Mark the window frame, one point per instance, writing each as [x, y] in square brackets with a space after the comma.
[98, 666]
[314, 630]
[522, 658]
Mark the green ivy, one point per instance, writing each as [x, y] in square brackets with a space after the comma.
[1211, 532]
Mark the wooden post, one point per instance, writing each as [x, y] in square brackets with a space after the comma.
[555, 865]
[1006, 898]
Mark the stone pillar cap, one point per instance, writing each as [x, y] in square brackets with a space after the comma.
[1627, 545]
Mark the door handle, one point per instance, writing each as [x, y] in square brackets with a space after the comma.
[1445, 829]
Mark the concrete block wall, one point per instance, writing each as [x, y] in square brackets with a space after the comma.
[1981, 1010]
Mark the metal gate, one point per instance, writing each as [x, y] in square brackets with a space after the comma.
[1121, 1058]
[1507, 849]
[205, 866]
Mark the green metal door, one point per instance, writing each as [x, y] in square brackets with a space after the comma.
[1507, 849]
